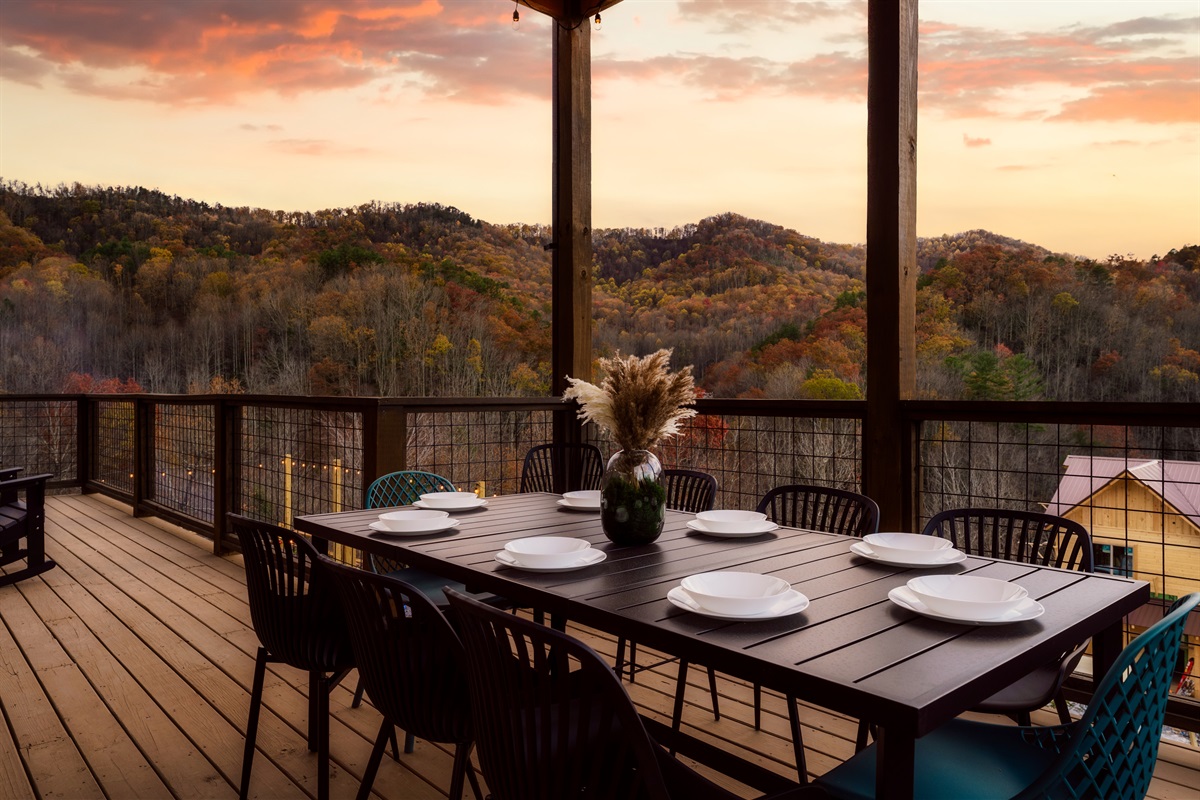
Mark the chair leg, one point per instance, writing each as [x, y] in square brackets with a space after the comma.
[677, 711]
[314, 690]
[358, 695]
[860, 741]
[619, 664]
[797, 739]
[712, 691]
[471, 778]
[757, 706]
[462, 754]
[260, 672]
[386, 731]
[632, 662]
[1024, 719]
[322, 712]
[410, 742]
[1060, 705]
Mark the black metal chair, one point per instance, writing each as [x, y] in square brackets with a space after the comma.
[578, 466]
[23, 519]
[405, 488]
[1030, 537]
[820, 508]
[299, 622]
[412, 663]
[545, 732]
[814, 508]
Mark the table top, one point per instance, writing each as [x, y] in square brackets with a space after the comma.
[852, 650]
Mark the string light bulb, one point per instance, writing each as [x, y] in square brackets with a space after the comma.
[516, 17]
[597, 21]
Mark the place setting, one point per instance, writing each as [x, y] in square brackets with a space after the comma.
[908, 550]
[729, 524]
[413, 522]
[451, 501]
[738, 596]
[584, 501]
[967, 599]
[549, 554]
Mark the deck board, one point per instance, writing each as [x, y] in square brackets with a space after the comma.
[125, 672]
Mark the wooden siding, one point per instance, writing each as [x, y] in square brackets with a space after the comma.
[1166, 544]
[125, 672]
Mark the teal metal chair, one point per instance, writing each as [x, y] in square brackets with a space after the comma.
[1109, 753]
[404, 488]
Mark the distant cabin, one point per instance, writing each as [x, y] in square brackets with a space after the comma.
[1140, 513]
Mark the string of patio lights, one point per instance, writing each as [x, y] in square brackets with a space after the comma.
[516, 20]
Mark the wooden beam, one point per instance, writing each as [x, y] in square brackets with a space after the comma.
[571, 326]
[888, 474]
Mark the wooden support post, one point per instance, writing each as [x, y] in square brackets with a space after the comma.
[385, 442]
[571, 325]
[891, 256]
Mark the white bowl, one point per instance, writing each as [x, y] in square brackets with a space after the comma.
[730, 521]
[547, 551]
[910, 546]
[450, 499]
[589, 498]
[967, 596]
[735, 592]
[414, 520]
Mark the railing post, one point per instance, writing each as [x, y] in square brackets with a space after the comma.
[143, 454]
[385, 442]
[227, 461]
[85, 432]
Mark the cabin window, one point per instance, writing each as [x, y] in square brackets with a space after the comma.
[1113, 559]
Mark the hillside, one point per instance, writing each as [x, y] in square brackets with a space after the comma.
[177, 295]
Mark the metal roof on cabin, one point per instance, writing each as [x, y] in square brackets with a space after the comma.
[1177, 482]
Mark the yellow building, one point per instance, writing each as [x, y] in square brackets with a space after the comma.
[1144, 519]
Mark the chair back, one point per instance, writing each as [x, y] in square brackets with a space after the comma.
[411, 661]
[1026, 536]
[689, 490]
[542, 731]
[404, 488]
[401, 488]
[562, 468]
[819, 508]
[296, 614]
[1112, 749]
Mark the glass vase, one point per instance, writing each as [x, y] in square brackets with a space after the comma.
[633, 498]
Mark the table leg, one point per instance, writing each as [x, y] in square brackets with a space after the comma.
[894, 765]
[1106, 646]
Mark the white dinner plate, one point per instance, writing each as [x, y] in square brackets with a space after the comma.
[753, 530]
[591, 557]
[790, 602]
[951, 556]
[569, 506]
[1027, 610]
[444, 507]
[434, 526]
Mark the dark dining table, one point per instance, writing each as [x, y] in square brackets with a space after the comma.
[852, 650]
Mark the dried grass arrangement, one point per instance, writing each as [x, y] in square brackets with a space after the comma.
[640, 402]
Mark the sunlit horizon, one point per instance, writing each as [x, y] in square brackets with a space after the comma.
[1072, 126]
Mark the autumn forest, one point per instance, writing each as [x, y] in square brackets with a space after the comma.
[128, 288]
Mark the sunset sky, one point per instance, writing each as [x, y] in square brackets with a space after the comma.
[1074, 125]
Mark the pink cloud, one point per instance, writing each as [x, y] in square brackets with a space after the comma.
[216, 51]
[972, 142]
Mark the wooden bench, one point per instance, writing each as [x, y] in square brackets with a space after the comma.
[23, 519]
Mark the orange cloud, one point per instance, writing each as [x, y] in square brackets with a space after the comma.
[1162, 101]
[205, 51]
[972, 142]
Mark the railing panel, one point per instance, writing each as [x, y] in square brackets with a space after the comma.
[115, 441]
[41, 436]
[185, 466]
[469, 446]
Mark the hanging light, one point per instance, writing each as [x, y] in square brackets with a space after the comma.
[516, 17]
[597, 21]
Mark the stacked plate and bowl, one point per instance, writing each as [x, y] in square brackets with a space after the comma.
[549, 554]
[731, 524]
[737, 595]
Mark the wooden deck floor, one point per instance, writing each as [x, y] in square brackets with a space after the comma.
[125, 673]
